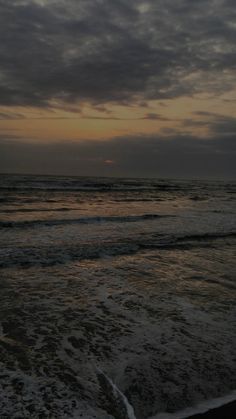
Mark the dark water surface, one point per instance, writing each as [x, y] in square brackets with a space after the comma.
[125, 281]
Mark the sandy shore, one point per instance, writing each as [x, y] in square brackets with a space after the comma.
[227, 411]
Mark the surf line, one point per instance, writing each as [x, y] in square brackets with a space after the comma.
[201, 408]
[122, 408]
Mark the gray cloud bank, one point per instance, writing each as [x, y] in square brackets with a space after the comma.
[151, 156]
[102, 51]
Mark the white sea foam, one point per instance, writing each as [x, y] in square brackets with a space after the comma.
[117, 395]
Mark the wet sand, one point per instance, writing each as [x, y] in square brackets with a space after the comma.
[227, 411]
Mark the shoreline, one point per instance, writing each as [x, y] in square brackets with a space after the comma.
[226, 411]
[218, 408]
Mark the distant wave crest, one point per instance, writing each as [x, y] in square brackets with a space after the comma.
[82, 220]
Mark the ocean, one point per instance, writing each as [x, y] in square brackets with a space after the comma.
[117, 296]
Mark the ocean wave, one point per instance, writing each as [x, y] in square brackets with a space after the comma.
[82, 220]
[87, 188]
[47, 255]
[28, 210]
[187, 241]
[38, 183]
[206, 236]
[29, 256]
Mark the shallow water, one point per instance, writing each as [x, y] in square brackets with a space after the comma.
[133, 277]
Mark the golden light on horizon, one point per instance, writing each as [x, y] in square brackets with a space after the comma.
[55, 125]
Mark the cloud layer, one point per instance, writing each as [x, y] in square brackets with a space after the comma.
[102, 51]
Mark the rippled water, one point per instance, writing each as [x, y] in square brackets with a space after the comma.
[131, 277]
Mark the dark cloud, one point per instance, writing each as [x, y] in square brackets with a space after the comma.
[154, 117]
[174, 155]
[100, 51]
[215, 123]
[224, 126]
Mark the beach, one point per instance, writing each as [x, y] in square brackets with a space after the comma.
[117, 296]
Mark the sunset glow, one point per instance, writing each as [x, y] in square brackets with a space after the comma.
[80, 71]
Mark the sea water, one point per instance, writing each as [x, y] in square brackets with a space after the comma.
[134, 278]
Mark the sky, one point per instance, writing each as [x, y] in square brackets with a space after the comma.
[118, 87]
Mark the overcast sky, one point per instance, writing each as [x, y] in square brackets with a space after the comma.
[118, 87]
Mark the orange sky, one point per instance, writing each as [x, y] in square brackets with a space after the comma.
[78, 72]
[55, 124]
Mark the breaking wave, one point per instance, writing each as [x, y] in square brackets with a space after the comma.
[27, 256]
